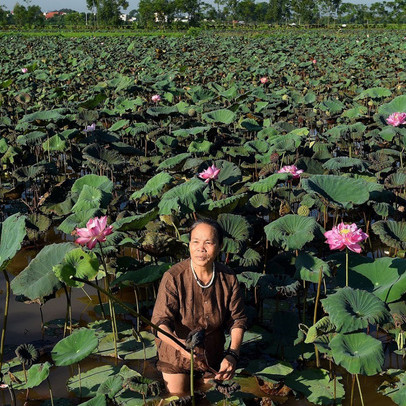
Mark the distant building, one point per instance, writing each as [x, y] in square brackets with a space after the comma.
[52, 14]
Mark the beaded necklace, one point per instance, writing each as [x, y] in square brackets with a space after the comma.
[198, 280]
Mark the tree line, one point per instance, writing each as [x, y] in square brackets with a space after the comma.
[152, 13]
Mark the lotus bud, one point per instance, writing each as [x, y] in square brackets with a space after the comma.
[327, 113]
[315, 111]
[370, 103]
[191, 112]
[285, 97]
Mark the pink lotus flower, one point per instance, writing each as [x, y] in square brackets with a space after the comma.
[396, 119]
[292, 169]
[264, 80]
[94, 231]
[210, 173]
[314, 61]
[156, 98]
[90, 128]
[24, 70]
[345, 235]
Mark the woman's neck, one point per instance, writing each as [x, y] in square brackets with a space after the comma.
[203, 273]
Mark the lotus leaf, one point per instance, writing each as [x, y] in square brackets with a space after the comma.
[55, 143]
[229, 172]
[184, 198]
[337, 190]
[354, 309]
[249, 279]
[147, 274]
[250, 258]
[12, 236]
[186, 132]
[38, 280]
[395, 390]
[119, 125]
[267, 184]
[77, 263]
[223, 116]
[78, 219]
[89, 199]
[100, 182]
[385, 277]
[236, 231]
[201, 146]
[174, 161]
[111, 386]
[75, 347]
[46, 116]
[316, 386]
[308, 267]
[392, 233]
[345, 162]
[88, 382]
[275, 371]
[374, 93]
[99, 400]
[358, 353]
[319, 329]
[398, 104]
[137, 222]
[35, 376]
[292, 231]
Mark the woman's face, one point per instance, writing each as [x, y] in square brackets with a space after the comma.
[203, 246]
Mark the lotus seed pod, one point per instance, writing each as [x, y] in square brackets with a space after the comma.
[303, 211]
[191, 112]
[285, 97]
[370, 103]
[319, 122]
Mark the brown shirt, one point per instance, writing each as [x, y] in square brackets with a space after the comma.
[184, 306]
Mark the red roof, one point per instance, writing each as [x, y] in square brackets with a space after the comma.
[53, 14]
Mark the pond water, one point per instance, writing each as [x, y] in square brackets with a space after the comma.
[24, 326]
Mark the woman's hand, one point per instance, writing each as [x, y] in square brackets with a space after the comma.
[227, 368]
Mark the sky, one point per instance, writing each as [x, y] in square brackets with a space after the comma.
[80, 5]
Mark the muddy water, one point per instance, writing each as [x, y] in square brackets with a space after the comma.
[24, 326]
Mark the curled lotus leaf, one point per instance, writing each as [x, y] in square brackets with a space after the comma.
[292, 232]
[320, 328]
[392, 233]
[267, 184]
[223, 116]
[338, 190]
[236, 231]
[396, 180]
[354, 309]
[12, 235]
[358, 353]
[229, 173]
[345, 162]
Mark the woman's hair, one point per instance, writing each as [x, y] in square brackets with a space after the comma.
[213, 223]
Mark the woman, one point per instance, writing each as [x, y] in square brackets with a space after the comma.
[199, 293]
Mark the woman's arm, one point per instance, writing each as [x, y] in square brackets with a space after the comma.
[229, 363]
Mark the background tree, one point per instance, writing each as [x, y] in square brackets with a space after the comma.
[328, 8]
[306, 11]
[191, 7]
[32, 15]
[278, 11]
[3, 16]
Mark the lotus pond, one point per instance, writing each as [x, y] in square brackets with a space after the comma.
[302, 139]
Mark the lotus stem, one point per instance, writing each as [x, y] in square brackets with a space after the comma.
[50, 392]
[137, 306]
[192, 388]
[352, 391]
[25, 372]
[315, 312]
[12, 395]
[346, 266]
[80, 382]
[100, 302]
[401, 157]
[65, 326]
[359, 388]
[6, 306]
[42, 321]
[111, 305]
[130, 310]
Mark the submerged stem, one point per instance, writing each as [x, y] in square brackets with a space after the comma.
[3, 332]
[359, 388]
[192, 388]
